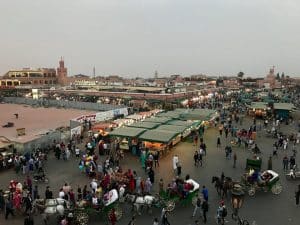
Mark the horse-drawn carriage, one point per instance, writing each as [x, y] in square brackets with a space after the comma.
[102, 207]
[267, 181]
[185, 194]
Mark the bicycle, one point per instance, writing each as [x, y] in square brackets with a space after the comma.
[239, 220]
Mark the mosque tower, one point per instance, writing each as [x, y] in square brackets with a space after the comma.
[62, 72]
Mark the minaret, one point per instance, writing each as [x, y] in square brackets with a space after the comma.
[62, 72]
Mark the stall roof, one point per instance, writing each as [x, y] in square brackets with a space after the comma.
[127, 132]
[258, 105]
[157, 135]
[146, 125]
[157, 119]
[169, 114]
[180, 123]
[198, 114]
[284, 106]
[178, 129]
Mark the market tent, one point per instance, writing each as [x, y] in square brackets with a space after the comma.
[199, 114]
[179, 129]
[146, 125]
[160, 120]
[180, 123]
[169, 114]
[258, 105]
[130, 132]
[157, 135]
[284, 106]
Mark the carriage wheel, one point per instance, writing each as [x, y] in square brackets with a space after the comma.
[170, 205]
[119, 212]
[251, 191]
[276, 189]
[81, 218]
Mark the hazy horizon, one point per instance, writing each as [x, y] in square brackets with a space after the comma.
[138, 37]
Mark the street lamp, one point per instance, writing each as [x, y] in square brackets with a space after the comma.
[237, 199]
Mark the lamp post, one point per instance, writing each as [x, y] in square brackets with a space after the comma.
[237, 200]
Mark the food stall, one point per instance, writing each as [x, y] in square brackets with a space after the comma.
[258, 109]
[128, 138]
[160, 120]
[145, 125]
[159, 140]
[184, 131]
[282, 110]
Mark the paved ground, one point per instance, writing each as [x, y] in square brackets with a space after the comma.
[36, 121]
[264, 208]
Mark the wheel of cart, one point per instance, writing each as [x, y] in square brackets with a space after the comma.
[81, 217]
[251, 190]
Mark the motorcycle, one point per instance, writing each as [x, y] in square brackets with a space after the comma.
[293, 174]
[40, 178]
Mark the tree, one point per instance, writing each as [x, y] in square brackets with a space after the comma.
[240, 74]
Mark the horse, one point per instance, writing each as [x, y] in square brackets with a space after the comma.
[222, 186]
[139, 202]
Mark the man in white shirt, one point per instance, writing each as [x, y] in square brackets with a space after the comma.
[61, 193]
[94, 185]
[77, 152]
[175, 161]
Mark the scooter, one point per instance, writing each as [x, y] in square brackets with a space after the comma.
[293, 174]
[40, 178]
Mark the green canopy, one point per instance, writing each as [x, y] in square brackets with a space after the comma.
[258, 105]
[198, 114]
[157, 135]
[169, 114]
[146, 125]
[160, 120]
[179, 129]
[180, 123]
[284, 106]
[130, 132]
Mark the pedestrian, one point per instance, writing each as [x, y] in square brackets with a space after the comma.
[285, 162]
[219, 142]
[35, 192]
[196, 158]
[179, 169]
[48, 193]
[132, 221]
[156, 158]
[9, 208]
[234, 160]
[270, 163]
[165, 220]
[204, 210]
[28, 203]
[175, 161]
[28, 220]
[205, 193]
[155, 221]
[161, 185]
[197, 206]
[112, 217]
[2, 201]
[297, 195]
[200, 157]
[151, 175]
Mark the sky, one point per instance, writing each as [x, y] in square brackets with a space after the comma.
[138, 37]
